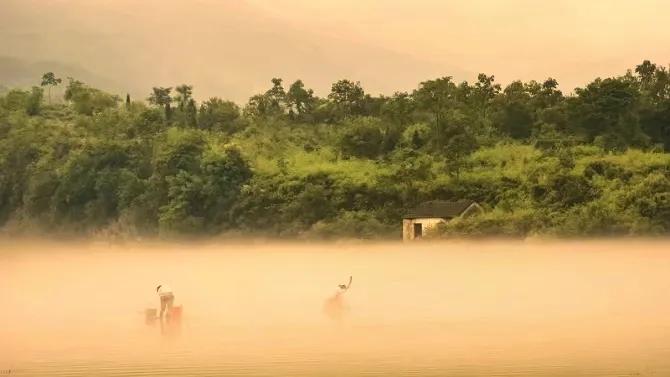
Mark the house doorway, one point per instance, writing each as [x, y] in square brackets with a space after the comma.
[418, 230]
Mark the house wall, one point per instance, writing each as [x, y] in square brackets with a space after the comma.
[407, 231]
[427, 223]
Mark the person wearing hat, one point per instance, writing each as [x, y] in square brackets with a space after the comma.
[167, 298]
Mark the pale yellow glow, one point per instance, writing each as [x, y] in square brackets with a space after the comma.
[232, 49]
[494, 308]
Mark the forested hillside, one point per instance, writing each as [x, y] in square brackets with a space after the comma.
[291, 164]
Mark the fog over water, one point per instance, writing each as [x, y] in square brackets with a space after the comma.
[596, 308]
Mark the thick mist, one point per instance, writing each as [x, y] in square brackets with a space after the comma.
[459, 308]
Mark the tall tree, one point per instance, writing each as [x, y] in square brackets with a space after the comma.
[606, 110]
[515, 116]
[217, 114]
[436, 96]
[646, 72]
[271, 103]
[399, 108]
[191, 114]
[49, 79]
[300, 100]
[276, 96]
[483, 93]
[184, 95]
[348, 96]
[654, 82]
[87, 100]
[161, 97]
[73, 89]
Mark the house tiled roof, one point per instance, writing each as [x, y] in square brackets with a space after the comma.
[439, 209]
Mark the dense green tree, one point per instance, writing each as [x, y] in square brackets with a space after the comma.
[363, 138]
[654, 109]
[291, 164]
[276, 97]
[191, 114]
[184, 95]
[651, 199]
[606, 110]
[348, 97]
[161, 97]
[437, 97]
[178, 150]
[646, 72]
[300, 101]
[224, 175]
[258, 106]
[483, 93]
[563, 191]
[15, 100]
[86, 100]
[217, 114]
[183, 212]
[399, 108]
[34, 101]
[186, 113]
[515, 114]
[272, 103]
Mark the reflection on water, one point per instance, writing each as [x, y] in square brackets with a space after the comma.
[335, 307]
[170, 326]
[458, 309]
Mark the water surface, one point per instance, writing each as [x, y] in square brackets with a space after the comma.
[458, 309]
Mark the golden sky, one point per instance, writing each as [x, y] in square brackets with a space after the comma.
[233, 48]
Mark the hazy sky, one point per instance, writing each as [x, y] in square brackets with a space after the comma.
[233, 48]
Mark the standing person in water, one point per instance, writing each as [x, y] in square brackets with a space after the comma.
[335, 307]
[167, 298]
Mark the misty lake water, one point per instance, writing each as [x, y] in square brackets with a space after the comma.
[597, 308]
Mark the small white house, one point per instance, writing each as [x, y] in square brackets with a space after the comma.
[429, 214]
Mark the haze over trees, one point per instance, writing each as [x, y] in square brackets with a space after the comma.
[289, 163]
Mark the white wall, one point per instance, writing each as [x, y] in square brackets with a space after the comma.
[426, 223]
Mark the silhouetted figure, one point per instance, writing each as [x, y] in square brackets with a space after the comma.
[335, 307]
[167, 299]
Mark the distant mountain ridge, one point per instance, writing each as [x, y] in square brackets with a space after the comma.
[233, 50]
[18, 73]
